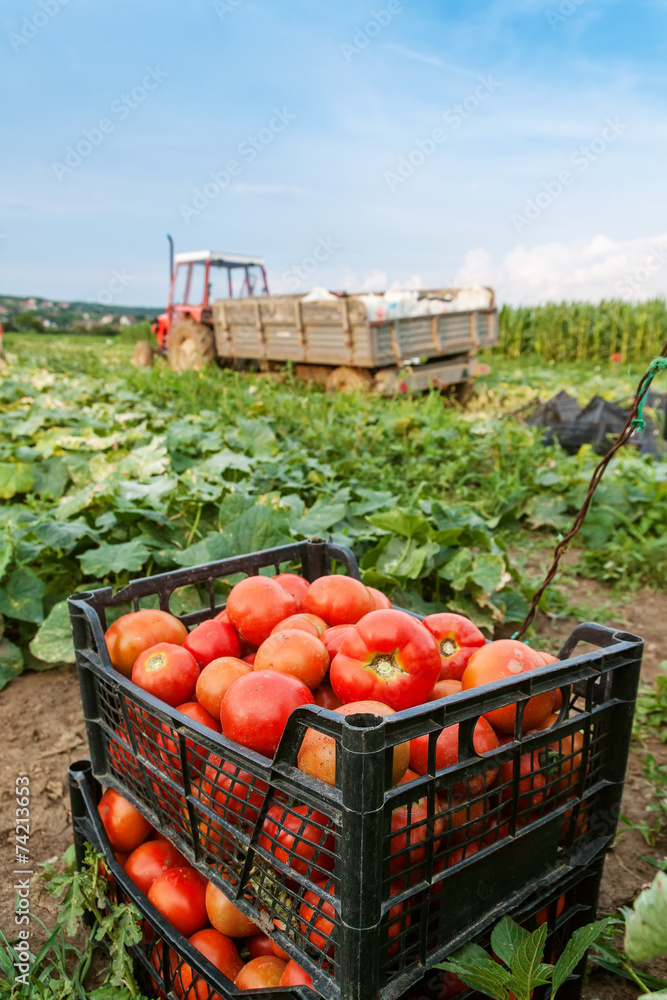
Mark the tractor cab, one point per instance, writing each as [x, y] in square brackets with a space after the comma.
[200, 277]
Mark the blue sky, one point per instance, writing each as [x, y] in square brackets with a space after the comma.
[335, 98]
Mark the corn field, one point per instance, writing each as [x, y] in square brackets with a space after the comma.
[580, 331]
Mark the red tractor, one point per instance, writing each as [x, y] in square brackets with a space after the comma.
[185, 331]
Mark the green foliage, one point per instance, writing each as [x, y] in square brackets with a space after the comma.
[651, 710]
[607, 955]
[569, 331]
[646, 924]
[520, 968]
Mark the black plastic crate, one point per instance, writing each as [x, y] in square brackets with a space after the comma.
[160, 958]
[484, 843]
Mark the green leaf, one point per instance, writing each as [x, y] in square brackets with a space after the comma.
[574, 951]
[458, 569]
[317, 521]
[258, 528]
[211, 548]
[544, 510]
[405, 560]
[399, 522]
[526, 965]
[15, 478]
[488, 572]
[51, 478]
[126, 557]
[63, 536]
[506, 937]
[22, 596]
[255, 436]
[53, 642]
[478, 970]
[11, 662]
[6, 550]
[646, 924]
[216, 465]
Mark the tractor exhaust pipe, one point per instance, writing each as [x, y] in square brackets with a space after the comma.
[171, 257]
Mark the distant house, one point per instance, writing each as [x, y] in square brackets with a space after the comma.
[46, 304]
[4, 311]
[63, 305]
[30, 304]
[108, 318]
[127, 320]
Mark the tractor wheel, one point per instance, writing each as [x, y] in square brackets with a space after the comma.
[464, 392]
[191, 346]
[349, 380]
[142, 356]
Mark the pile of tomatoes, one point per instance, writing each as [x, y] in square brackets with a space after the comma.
[282, 643]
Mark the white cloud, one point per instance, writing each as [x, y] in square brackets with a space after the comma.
[593, 269]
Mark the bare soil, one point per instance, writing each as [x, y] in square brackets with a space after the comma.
[43, 731]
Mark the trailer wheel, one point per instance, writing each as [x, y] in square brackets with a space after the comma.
[349, 380]
[191, 346]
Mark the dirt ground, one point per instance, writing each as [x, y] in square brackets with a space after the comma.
[43, 730]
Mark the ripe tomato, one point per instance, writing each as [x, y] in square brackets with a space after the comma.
[257, 604]
[236, 792]
[324, 696]
[211, 640]
[317, 755]
[169, 672]
[333, 638]
[465, 818]
[457, 640]
[409, 824]
[318, 917]
[567, 762]
[294, 652]
[531, 784]
[150, 860]
[339, 600]
[294, 584]
[294, 975]
[260, 944]
[179, 895]
[171, 751]
[220, 951]
[508, 658]
[543, 914]
[131, 634]
[126, 828]
[389, 657]
[382, 602]
[250, 658]
[222, 616]
[122, 755]
[443, 689]
[447, 753]
[198, 713]
[300, 837]
[261, 973]
[309, 623]
[215, 681]
[226, 917]
[255, 710]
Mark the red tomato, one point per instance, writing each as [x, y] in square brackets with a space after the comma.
[389, 657]
[508, 658]
[171, 756]
[150, 860]
[294, 652]
[466, 818]
[318, 916]
[381, 600]
[531, 784]
[409, 824]
[566, 755]
[294, 584]
[169, 672]
[250, 658]
[125, 826]
[339, 600]
[261, 973]
[294, 975]
[220, 951]
[543, 915]
[122, 755]
[226, 917]
[447, 753]
[333, 638]
[131, 634]
[235, 791]
[256, 605]
[121, 858]
[457, 640]
[324, 696]
[443, 689]
[180, 896]
[211, 640]
[317, 755]
[222, 616]
[309, 623]
[256, 708]
[259, 944]
[198, 713]
[215, 681]
[300, 837]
